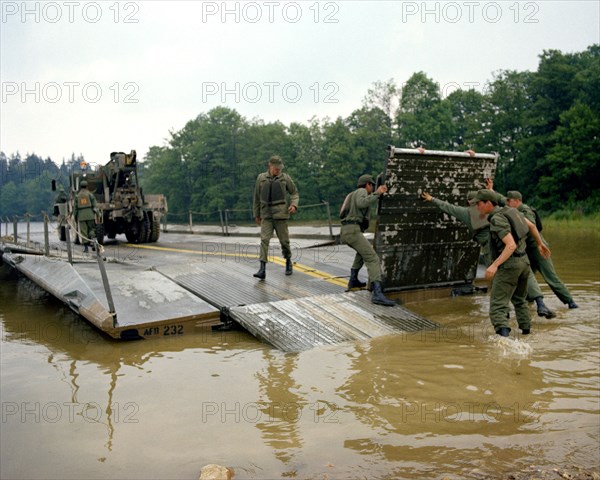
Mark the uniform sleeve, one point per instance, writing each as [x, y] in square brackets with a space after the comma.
[256, 200]
[293, 191]
[528, 213]
[364, 200]
[500, 226]
[461, 213]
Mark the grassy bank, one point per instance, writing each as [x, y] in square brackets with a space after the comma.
[572, 220]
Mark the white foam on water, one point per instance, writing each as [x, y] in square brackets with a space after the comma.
[511, 347]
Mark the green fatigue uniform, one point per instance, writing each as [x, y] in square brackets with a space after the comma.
[542, 265]
[534, 292]
[85, 213]
[271, 206]
[478, 227]
[358, 205]
[510, 282]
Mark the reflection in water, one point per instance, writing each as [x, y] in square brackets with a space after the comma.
[456, 402]
[281, 407]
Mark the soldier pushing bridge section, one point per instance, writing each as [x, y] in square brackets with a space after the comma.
[419, 246]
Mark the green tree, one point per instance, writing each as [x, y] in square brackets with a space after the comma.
[573, 162]
[423, 120]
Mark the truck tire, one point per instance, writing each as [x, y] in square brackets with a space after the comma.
[100, 233]
[154, 230]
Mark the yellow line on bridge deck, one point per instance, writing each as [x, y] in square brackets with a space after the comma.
[313, 272]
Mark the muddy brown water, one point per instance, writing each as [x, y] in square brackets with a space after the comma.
[457, 402]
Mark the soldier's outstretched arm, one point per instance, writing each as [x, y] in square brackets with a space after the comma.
[542, 247]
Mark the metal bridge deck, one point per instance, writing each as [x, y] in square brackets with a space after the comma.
[303, 323]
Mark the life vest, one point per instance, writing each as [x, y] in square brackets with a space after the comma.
[518, 225]
[83, 200]
[272, 192]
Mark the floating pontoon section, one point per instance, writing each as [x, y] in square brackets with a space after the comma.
[303, 323]
[420, 246]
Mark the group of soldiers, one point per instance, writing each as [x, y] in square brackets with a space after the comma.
[507, 230]
[271, 211]
[513, 250]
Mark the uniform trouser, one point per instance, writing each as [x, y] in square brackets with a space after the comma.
[88, 230]
[546, 269]
[365, 255]
[510, 285]
[267, 226]
[533, 288]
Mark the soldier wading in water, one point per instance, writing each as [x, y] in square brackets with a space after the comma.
[354, 214]
[271, 211]
[509, 270]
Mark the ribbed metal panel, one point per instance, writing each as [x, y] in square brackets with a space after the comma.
[229, 284]
[419, 246]
[303, 323]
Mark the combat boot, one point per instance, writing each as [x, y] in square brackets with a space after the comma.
[85, 248]
[503, 331]
[378, 297]
[261, 271]
[288, 266]
[542, 309]
[354, 282]
[572, 304]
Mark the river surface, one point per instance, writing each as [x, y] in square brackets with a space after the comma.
[458, 402]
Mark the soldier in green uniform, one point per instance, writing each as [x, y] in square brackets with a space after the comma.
[509, 270]
[354, 216]
[477, 224]
[272, 212]
[85, 210]
[479, 227]
[537, 261]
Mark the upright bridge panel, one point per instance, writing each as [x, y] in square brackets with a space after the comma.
[419, 245]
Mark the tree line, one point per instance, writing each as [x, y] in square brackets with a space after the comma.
[544, 124]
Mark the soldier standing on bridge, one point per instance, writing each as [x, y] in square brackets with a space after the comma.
[272, 212]
[85, 213]
[354, 214]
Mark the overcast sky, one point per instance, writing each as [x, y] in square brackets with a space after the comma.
[95, 77]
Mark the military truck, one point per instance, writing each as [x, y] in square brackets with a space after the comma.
[122, 205]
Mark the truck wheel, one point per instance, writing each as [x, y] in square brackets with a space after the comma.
[145, 230]
[155, 230]
[100, 233]
[133, 233]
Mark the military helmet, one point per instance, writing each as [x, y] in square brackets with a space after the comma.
[83, 184]
[514, 195]
[364, 179]
[485, 195]
[276, 161]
